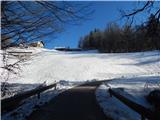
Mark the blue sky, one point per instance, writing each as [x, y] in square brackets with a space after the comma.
[105, 12]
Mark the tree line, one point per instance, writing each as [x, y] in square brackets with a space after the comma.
[124, 39]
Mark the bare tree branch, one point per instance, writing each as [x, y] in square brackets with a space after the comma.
[147, 7]
[35, 18]
[148, 3]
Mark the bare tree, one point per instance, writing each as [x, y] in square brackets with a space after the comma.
[24, 21]
[149, 7]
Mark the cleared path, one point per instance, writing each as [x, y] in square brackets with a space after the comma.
[78, 103]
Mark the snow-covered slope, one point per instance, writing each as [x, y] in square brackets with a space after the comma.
[51, 65]
[131, 70]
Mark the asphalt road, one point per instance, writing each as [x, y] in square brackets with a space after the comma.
[78, 103]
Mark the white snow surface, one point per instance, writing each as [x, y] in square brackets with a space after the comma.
[29, 105]
[112, 107]
[33, 103]
[131, 71]
[135, 89]
[51, 65]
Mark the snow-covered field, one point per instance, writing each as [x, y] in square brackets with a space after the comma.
[51, 65]
[131, 71]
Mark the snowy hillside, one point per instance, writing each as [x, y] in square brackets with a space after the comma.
[51, 65]
[131, 71]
